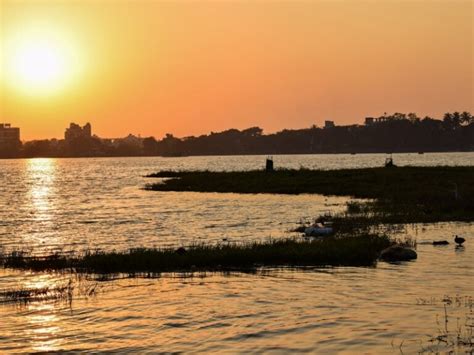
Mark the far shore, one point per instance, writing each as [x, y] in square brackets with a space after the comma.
[231, 155]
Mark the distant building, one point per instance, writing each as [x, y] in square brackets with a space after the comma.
[329, 124]
[369, 121]
[9, 136]
[130, 140]
[372, 120]
[75, 131]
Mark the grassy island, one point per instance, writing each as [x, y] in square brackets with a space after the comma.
[398, 194]
[345, 251]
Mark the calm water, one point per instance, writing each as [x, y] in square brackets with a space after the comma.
[77, 204]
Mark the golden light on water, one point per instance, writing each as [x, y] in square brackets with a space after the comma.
[44, 322]
[44, 325]
[41, 174]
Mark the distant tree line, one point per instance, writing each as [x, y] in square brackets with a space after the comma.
[393, 133]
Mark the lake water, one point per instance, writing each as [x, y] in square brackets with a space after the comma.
[66, 205]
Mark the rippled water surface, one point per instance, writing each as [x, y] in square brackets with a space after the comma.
[77, 204]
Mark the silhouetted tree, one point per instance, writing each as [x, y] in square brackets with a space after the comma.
[466, 118]
[150, 146]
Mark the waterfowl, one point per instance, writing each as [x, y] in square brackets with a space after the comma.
[459, 240]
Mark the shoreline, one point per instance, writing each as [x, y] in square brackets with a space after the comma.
[237, 155]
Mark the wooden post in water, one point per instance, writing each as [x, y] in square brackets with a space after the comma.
[269, 165]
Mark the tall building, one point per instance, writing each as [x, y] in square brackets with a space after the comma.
[329, 124]
[75, 131]
[9, 136]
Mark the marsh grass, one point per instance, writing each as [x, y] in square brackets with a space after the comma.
[399, 195]
[454, 333]
[59, 291]
[27, 295]
[362, 250]
[454, 327]
[356, 221]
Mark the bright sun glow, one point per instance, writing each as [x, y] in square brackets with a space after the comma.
[39, 63]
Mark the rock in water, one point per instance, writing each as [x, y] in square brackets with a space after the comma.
[398, 253]
[440, 242]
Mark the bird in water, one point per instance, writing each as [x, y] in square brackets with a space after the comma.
[459, 240]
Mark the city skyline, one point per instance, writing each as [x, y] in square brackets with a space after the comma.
[77, 123]
[395, 133]
[76, 126]
[189, 69]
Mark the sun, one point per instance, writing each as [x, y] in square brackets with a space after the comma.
[39, 63]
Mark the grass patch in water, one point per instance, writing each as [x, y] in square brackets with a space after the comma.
[400, 195]
[455, 328]
[56, 292]
[362, 250]
[26, 295]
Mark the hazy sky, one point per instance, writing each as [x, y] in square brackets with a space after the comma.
[191, 67]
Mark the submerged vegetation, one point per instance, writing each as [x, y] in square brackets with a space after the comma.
[27, 295]
[397, 195]
[454, 326]
[56, 292]
[343, 251]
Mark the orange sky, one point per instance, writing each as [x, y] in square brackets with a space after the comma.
[191, 67]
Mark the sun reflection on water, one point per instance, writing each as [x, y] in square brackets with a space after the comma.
[41, 175]
[43, 316]
[44, 327]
